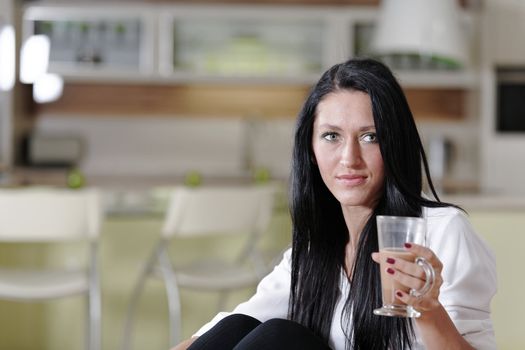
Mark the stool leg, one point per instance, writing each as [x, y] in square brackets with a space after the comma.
[135, 296]
[172, 292]
[94, 336]
[223, 298]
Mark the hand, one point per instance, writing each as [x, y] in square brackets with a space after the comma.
[185, 344]
[412, 276]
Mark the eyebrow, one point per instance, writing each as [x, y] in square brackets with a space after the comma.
[362, 128]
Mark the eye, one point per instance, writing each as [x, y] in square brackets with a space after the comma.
[330, 136]
[369, 137]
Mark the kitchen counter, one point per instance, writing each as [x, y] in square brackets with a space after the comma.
[487, 201]
[133, 195]
[148, 194]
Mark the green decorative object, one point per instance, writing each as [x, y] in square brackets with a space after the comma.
[262, 175]
[75, 179]
[120, 28]
[193, 179]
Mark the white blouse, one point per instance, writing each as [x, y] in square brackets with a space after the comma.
[469, 283]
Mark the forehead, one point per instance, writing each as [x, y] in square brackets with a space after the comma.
[345, 106]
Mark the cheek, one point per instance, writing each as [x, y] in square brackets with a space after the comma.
[323, 159]
[316, 154]
[377, 165]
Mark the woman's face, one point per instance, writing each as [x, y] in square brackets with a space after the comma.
[346, 148]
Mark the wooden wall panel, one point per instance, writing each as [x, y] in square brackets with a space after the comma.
[463, 3]
[437, 103]
[194, 100]
[224, 100]
[273, 2]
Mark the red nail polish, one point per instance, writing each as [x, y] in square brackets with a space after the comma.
[390, 260]
[408, 245]
[399, 294]
[390, 271]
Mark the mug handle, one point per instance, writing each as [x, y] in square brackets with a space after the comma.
[430, 278]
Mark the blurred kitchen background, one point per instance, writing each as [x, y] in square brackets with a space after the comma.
[140, 96]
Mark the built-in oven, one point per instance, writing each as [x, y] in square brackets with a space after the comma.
[510, 91]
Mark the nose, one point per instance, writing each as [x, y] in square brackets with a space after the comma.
[351, 154]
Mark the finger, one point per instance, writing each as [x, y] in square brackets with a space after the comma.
[414, 282]
[426, 253]
[375, 257]
[406, 298]
[421, 304]
[408, 281]
[407, 267]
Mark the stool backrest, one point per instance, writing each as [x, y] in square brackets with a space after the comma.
[218, 210]
[47, 214]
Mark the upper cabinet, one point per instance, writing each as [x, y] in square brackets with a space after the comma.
[239, 44]
[504, 34]
[256, 44]
[96, 42]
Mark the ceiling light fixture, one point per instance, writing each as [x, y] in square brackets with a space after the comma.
[426, 28]
[7, 57]
[34, 58]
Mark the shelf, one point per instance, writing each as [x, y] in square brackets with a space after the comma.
[188, 77]
[438, 79]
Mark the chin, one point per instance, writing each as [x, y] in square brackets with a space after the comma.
[356, 201]
[352, 202]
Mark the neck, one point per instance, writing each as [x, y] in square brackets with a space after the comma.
[355, 219]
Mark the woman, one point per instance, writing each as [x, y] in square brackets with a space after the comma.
[357, 154]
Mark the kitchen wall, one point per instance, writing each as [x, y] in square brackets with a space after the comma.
[503, 161]
[248, 126]
[156, 145]
[484, 160]
[146, 128]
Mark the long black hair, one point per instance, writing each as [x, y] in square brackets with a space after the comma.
[320, 233]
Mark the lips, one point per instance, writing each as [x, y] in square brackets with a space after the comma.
[351, 180]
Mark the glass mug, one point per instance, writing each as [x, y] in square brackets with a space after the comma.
[392, 233]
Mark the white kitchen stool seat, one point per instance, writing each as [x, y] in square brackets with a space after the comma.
[207, 211]
[49, 215]
[41, 285]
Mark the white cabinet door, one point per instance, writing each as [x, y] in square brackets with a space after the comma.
[506, 31]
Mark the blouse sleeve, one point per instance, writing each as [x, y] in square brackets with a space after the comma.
[469, 276]
[269, 301]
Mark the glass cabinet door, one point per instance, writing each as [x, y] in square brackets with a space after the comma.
[87, 41]
[264, 48]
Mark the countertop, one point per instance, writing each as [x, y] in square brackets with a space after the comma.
[149, 193]
[487, 201]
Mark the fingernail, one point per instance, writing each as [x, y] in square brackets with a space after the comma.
[399, 294]
[390, 271]
[390, 260]
[408, 245]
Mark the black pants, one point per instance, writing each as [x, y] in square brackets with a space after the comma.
[241, 332]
